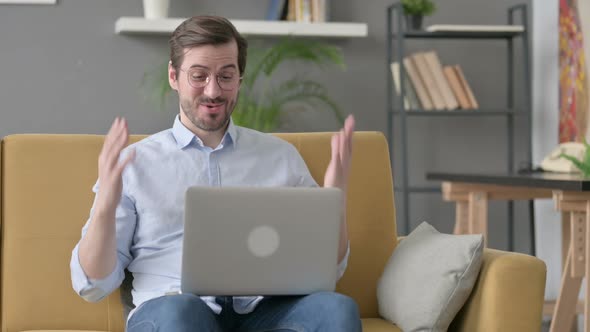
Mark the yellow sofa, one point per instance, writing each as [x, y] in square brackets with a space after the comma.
[46, 195]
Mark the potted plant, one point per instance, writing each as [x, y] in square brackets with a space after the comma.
[415, 10]
[155, 9]
[262, 99]
[583, 165]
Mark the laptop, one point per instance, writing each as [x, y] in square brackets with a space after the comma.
[260, 241]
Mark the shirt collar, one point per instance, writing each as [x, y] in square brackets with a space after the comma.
[184, 136]
[231, 136]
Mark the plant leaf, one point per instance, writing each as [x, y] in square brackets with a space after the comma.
[291, 49]
[585, 168]
[586, 152]
[306, 91]
[155, 86]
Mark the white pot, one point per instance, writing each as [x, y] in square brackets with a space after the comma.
[155, 8]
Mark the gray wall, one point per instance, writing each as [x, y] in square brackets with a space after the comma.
[65, 71]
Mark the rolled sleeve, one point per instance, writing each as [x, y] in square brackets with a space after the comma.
[93, 290]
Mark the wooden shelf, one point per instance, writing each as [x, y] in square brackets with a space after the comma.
[142, 26]
[462, 34]
[462, 112]
[28, 2]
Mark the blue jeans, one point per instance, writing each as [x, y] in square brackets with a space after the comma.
[323, 311]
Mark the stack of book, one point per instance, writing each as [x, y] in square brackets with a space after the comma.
[307, 11]
[431, 86]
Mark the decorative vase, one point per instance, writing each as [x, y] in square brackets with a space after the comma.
[414, 22]
[153, 9]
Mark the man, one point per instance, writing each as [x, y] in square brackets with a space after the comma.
[136, 221]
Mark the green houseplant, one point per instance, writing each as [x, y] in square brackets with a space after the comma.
[262, 99]
[415, 10]
[582, 165]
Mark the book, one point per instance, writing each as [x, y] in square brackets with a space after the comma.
[298, 10]
[472, 102]
[319, 11]
[397, 84]
[441, 81]
[292, 4]
[418, 85]
[456, 87]
[324, 15]
[315, 10]
[275, 10]
[411, 93]
[474, 28]
[285, 12]
[428, 80]
[410, 99]
[306, 11]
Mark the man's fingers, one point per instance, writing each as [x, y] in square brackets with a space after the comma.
[116, 143]
[107, 138]
[335, 148]
[349, 130]
[342, 146]
[349, 124]
[114, 125]
[121, 138]
[111, 135]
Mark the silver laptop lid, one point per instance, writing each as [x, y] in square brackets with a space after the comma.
[260, 241]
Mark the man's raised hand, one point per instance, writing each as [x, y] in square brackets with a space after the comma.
[109, 167]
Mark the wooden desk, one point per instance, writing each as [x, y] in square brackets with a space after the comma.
[571, 193]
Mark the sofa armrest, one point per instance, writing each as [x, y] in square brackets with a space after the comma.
[507, 296]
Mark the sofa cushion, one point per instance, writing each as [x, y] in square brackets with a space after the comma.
[57, 172]
[428, 278]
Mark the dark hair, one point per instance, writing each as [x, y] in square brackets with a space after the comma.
[205, 30]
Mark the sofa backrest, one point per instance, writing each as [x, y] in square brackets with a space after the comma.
[45, 198]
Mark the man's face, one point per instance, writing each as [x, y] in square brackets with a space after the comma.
[208, 108]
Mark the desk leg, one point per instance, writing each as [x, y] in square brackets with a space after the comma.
[584, 222]
[478, 214]
[565, 236]
[461, 218]
[471, 216]
[576, 266]
[565, 307]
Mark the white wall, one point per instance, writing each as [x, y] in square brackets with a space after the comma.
[545, 125]
[545, 131]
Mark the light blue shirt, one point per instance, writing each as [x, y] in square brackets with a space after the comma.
[149, 217]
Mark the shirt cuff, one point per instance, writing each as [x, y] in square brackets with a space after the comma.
[93, 290]
[344, 262]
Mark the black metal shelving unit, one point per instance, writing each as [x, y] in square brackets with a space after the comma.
[397, 36]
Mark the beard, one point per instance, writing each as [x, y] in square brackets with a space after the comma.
[208, 122]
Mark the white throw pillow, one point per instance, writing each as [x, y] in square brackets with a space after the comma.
[428, 278]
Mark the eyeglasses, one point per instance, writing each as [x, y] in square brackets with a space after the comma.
[199, 78]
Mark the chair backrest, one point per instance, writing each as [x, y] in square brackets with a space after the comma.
[45, 197]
